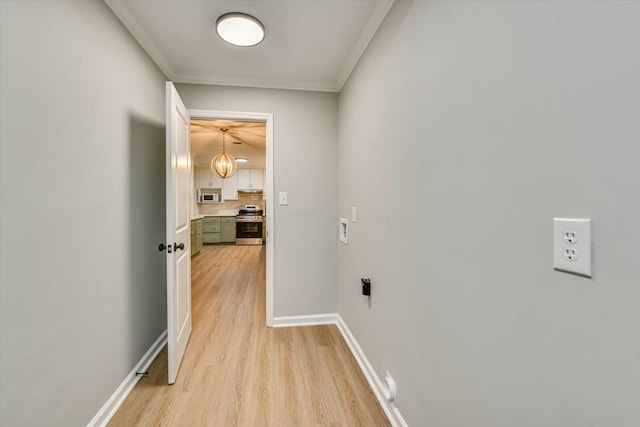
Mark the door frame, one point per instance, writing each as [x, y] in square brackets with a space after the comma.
[268, 188]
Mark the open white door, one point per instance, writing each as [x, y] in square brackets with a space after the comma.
[178, 231]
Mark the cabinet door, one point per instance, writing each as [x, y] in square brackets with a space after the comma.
[244, 179]
[216, 181]
[210, 237]
[193, 238]
[198, 234]
[230, 188]
[211, 228]
[208, 179]
[229, 232]
[204, 178]
[256, 179]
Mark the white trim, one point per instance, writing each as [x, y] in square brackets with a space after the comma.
[270, 232]
[128, 19]
[109, 409]
[310, 320]
[375, 19]
[268, 188]
[122, 10]
[390, 409]
[324, 86]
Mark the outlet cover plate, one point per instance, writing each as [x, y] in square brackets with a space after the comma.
[572, 245]
[283, 198]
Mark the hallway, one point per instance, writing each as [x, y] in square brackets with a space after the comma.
[238, 372]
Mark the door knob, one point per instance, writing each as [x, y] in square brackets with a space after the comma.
[162, 247]
[178, 246]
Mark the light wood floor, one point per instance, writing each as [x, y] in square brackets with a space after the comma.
[238, 372]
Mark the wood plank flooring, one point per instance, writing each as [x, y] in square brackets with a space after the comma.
[238, 372]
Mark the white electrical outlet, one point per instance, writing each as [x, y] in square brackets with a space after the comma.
[572, 245]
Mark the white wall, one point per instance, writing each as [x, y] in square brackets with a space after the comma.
[305, 154]
[82, 196]
[466, 127]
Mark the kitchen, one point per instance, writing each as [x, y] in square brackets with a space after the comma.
[227, 210]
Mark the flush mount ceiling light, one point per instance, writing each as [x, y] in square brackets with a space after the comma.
[241, 160]
[224, 165]
[240, 29]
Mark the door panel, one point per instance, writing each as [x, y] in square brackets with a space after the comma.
[178, 231]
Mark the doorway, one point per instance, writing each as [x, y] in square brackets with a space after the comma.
[267, 120]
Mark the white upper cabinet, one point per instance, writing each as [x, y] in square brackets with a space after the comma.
[208, 179]
[230, 188]
[250, 179]
[244, 178]
[256, 179]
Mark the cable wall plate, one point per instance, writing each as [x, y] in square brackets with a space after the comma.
[344, 230]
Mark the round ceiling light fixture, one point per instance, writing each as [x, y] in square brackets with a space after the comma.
[240, 29]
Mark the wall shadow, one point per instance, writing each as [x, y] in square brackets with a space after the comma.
[147, 265]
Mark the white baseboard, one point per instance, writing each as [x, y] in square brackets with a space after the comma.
[109, 409]
[393, 414]
[313, 319]
[390, 409]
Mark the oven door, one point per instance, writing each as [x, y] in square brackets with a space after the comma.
[248, 232]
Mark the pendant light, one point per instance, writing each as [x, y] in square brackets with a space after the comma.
[224, 165]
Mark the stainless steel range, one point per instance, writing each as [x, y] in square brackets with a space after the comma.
[249, 225]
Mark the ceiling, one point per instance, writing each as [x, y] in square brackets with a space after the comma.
[206, 141]
[309, 44]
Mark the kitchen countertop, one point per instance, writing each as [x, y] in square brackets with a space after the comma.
[227, 212]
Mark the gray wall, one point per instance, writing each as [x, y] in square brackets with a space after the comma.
[305, 155]
[466, 127]
[82, 195]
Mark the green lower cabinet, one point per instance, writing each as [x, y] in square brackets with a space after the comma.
[228, 229]
[196, 236]
[193, 239]
[211, 229]
[211, 238]
[219, 229]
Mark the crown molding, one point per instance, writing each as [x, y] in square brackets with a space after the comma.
[376, 18]
[258, 83]
[123, 13]
[128, 19]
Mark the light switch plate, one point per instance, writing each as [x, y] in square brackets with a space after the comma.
[572, 245]
[284, 198]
